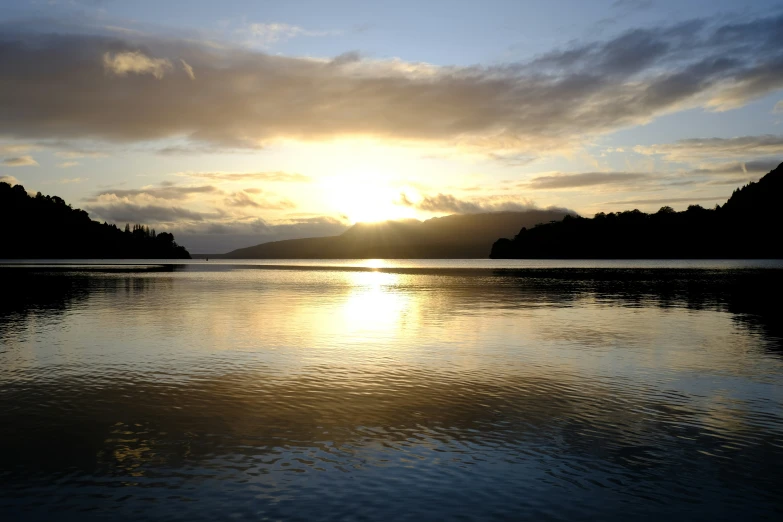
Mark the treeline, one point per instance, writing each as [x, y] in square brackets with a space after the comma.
[748, 225]
[45, 227]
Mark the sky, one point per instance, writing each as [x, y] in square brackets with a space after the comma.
[238, 122]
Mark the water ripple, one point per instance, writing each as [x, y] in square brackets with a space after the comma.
[409, 393]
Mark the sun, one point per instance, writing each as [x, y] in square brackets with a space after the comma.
[367, 200]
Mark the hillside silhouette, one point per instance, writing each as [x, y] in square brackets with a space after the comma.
[748, 225]
[463, 236]
[45, 227]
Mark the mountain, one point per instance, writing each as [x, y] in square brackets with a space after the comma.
[748, 225]
[462, 236]
[45, 227]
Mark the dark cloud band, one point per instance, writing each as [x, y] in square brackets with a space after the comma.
[122, 89]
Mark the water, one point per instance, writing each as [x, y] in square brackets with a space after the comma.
[404, 390]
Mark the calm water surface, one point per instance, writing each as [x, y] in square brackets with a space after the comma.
[464, 390]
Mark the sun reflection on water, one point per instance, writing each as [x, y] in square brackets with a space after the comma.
[213, 386]
[376, 304]
[375, 263]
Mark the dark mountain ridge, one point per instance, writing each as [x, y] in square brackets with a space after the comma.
[748, 225]
[45, 227]
[459, 236]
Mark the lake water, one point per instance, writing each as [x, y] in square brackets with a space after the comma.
[397, 390]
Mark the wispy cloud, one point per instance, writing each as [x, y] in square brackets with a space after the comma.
[729, 173]
[241, 199]
[511, 160]
[699, 149]
[663, 201]
[753, 167]
[76, 154]
[68, 164]
[267, 34]
[135, 62]
[447, 203]
[17, 148]
[188, 69]
[272, 176]
[20, 161]
[9, 179]
[632, 4]
[124, 212]
[164, 191]
[584, 179]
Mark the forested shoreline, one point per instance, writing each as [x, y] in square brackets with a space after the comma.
[46, 227]
[748, 225]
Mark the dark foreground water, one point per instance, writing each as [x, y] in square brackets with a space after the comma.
[466, 392]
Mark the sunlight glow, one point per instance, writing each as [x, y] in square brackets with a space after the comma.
[375, 306]
[375, 263]
[366, 196]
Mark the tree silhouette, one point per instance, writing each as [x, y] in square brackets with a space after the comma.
[747, 226]
[46, 227]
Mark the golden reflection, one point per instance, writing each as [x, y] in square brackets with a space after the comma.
[376, 304]
[130, 448]
[375, 263]
[295, 317]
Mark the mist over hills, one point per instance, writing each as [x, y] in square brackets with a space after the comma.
[459, 236]
[748, 225]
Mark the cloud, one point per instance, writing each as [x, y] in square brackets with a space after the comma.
[267, 34]
[9, 179]
[188, 69]
[245, 98]
[585, 179]
[730, 173]
[67, 164]
[164, 191]
[273, 176]
[20, 161]
[17, 148]
[241, 199]
[632, 4]
[123, 212]
[778, 109]
[665, 200]
[346, 58]
[65, 181]
[194, 148]
[511, 160]
[755, 167]
[76, 154]
[716, 148]
[706, 174]
[450, 204]
[135, 62]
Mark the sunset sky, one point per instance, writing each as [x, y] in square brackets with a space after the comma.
[237, 122]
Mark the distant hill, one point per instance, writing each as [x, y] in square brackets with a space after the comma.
[45, 227]
[748, 225]
[464, 236]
